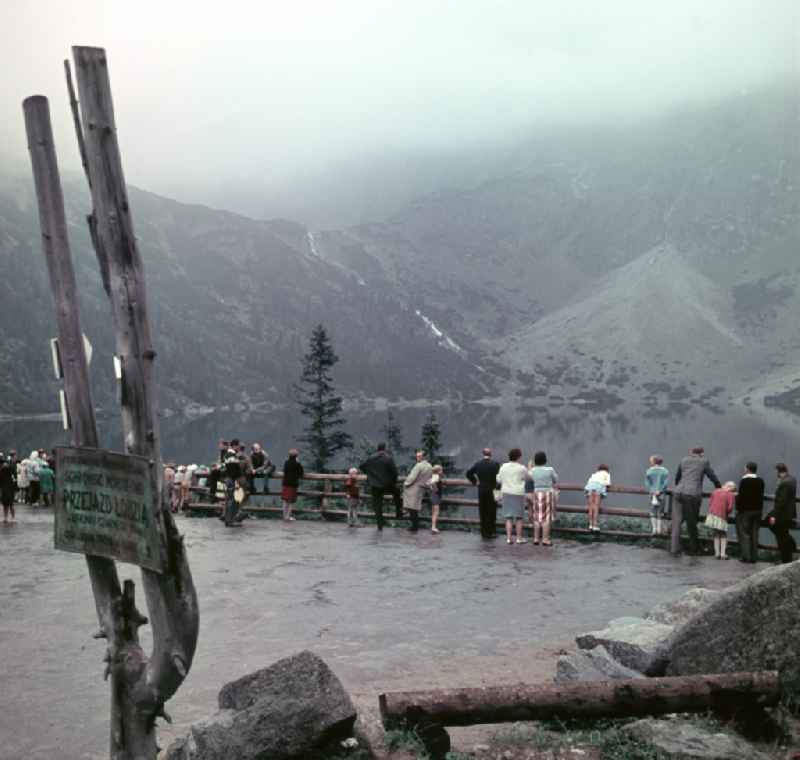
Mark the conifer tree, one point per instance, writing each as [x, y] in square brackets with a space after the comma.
[431, 437]
[431, 444]
[394, 440]
[319, 402]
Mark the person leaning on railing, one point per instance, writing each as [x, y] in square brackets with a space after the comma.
[292, 474]
[352, 497]
[688, 495]
[543, 498]
[261, 467]
[381, 472]
[785, 512]
[749, 505]
[415, 487]
[720, 507]
[512, 476]
[483, 474]
[656, 480]
[437, 490]
[595, 489]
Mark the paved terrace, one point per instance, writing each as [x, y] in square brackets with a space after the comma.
[386, 611]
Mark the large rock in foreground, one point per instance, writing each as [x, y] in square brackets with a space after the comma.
[634, 642]
[685, 740]
[680, 610]
[282, 712]
[591, 665]
[753, 625]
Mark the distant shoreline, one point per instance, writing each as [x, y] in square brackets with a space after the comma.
[41, 417]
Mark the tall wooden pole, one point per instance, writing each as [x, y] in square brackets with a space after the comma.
[55, 243]
[171, 597]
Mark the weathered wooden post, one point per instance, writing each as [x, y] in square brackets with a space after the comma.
[116, 492]
[102, 571]
[171, 597]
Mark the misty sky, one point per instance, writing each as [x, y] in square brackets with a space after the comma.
[217, 92]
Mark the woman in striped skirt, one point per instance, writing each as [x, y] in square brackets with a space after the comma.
[542, 502]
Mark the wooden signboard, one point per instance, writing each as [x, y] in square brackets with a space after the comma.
[104, 506]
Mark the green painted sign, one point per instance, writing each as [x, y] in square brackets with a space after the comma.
[104, 506]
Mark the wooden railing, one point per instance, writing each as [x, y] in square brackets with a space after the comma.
[325, 508]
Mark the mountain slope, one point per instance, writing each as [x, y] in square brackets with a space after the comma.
[648, 328]
[720, 183]
[714, 188]
[233, 301]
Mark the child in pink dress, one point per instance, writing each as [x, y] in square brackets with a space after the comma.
[720, 507]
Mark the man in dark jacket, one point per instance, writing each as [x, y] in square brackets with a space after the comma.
[749, 503]
[688, 495]
[781, 518]
[381, 472]
[484, 475]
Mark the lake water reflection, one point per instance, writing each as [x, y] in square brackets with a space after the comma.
[576, 439]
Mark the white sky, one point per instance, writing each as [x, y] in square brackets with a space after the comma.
[282, 89]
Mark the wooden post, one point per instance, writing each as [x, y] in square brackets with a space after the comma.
[171, 597]
[325, 501]
[594, 699]
[55, 243]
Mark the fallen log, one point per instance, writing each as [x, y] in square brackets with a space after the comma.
[728, 692]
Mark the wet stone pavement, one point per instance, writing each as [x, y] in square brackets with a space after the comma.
[386, 611]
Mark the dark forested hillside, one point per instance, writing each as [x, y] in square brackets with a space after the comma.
[233, 303]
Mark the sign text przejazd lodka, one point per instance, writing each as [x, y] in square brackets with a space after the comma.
[104, 506]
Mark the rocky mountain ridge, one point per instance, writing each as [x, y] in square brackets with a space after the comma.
[667, 253]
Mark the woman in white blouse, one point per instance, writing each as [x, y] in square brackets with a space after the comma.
[511, 477]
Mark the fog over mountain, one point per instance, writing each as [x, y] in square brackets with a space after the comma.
[315, 111]
[623, 264]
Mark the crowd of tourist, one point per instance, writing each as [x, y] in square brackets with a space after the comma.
[525, 494]
[26, 481]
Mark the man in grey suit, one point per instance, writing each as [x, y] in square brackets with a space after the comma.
[688, 495]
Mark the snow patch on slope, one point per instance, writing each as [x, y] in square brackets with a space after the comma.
[443, 339]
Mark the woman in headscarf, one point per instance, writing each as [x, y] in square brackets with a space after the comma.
[33, 476]
[23, 484]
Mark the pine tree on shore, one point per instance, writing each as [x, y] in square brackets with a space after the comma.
[431, 444]
[394, 441]
[319, 403]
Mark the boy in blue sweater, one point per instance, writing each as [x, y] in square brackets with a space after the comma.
[656, 481]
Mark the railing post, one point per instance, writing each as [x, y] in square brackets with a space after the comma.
[327, 490]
